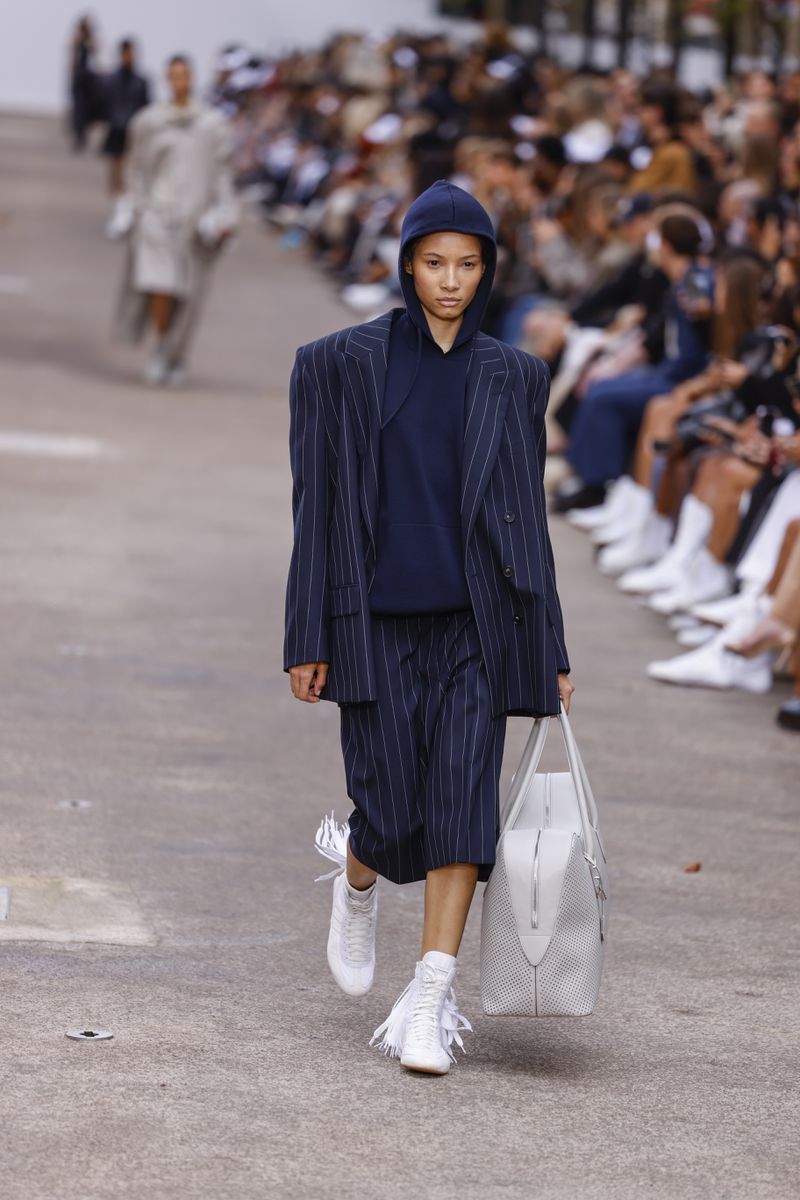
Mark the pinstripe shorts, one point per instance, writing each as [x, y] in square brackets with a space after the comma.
[422, 762]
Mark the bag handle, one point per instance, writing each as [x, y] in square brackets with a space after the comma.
[529, 762]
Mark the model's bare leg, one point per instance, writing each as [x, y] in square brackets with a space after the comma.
[359, 876]
[161, 310]
[116, 176]
[448, 895]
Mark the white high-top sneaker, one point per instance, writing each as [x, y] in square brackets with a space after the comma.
[598, 514]
[704, 578]
[351, 938]
[632, 515]
[691, 532]
[425, 1021]
[645, 543]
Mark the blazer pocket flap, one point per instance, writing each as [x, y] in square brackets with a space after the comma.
[344, 600]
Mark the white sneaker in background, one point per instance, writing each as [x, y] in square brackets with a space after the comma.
[598, 514]
[351, 938]
[695, 635]
[643, 545]
[703, 578]
[632, 515]
[698, 669]
[120, 222]
[156, 372]
[720, 612]
[713, 666]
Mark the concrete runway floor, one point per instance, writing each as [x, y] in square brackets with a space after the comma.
[161, 788]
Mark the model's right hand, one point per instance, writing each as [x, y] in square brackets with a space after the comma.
[308, 680]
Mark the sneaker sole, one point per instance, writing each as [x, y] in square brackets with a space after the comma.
[423, 1070]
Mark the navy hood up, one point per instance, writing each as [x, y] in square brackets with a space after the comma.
[442, 207]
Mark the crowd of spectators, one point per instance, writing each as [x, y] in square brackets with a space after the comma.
[649, 251]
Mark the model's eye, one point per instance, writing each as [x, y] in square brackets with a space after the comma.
[432, 262]
[469, 264]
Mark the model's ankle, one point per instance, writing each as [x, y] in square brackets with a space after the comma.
[361, 885]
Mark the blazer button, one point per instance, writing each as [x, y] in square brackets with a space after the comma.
[509, 517]
[508, 571]
[518, 619]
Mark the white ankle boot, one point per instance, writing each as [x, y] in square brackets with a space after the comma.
[354, 914]
[599, 514]
[425, 1021]
[691, 532]
[703, 578]
[646, 543]
[638, 503]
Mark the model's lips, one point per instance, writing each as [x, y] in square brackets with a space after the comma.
[450, 301]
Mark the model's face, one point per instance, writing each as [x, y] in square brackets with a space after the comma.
[179, 78]
[447, 268]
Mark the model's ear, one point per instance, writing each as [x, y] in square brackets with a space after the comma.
[408, 265]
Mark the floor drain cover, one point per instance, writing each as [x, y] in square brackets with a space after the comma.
[86, 1035]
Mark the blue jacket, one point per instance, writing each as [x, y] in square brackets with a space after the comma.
[336, 394]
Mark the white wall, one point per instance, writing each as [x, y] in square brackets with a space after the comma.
[34, 34]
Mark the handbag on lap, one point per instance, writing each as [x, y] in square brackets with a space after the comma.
[545, 907]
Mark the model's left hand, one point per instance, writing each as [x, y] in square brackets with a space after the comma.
[565, 690]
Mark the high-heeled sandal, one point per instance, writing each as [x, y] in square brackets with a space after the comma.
[769, 634]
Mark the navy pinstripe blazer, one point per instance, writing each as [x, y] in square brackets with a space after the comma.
[336, 392]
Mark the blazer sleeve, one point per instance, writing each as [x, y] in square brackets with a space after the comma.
[306, 629]
[539, 394]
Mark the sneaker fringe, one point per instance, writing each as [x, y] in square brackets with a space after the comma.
[331, 841]
[393, 1030]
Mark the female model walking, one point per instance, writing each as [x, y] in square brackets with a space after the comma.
[421, 596]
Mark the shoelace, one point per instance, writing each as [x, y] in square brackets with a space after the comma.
[358, 928]
[425, 1020]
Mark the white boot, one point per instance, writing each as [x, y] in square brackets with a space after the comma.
[703, 578]
[638, 504]
[713, 666]
[598, 514]
[157, 370]
[691, 532]
[351, 936]
[645, 544]
[425, 1021]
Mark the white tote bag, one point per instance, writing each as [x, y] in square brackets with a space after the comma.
[545, 910]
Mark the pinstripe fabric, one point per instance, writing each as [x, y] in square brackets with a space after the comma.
[422, 764]
[336, 393]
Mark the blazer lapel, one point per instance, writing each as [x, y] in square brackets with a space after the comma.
[488, 389]
[366, 355]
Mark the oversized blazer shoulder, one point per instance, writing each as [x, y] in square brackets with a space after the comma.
[336, 392]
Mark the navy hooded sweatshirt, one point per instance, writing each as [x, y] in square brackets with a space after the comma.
[420, 560]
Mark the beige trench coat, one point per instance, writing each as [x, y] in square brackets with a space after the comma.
[180, 181]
